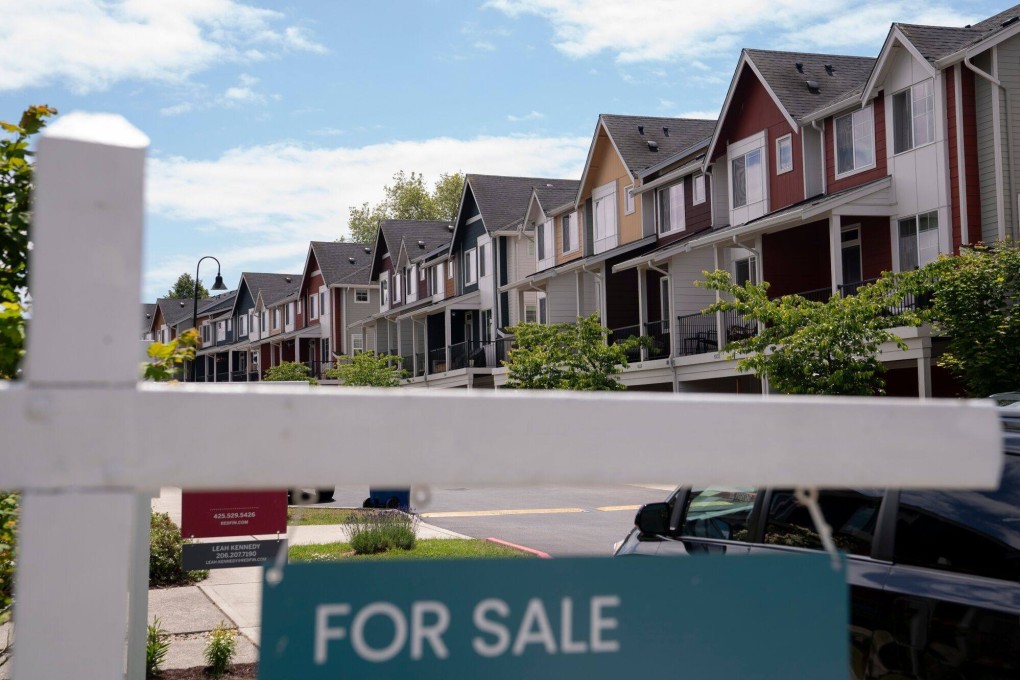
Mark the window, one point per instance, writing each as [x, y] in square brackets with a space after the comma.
[357, 343]
[242, 324]
[530, 313]
[470, 267]
[850, 243]
[914, 117]
[299, 303]
[855, 141]
[543, 308]
[604, 217]
[361, 295]
[276, 318]
[919, 240]
[745, 270]
[450, 271]
[969, 532]
[384, 292]
[699, 189]
[409, 281]
[545, 238]
[483, 259]
[312, 309]
[628, 200]
[748, 179]
[784, 154]
[718, 512]
[290, 313]
[852, 514]
[671, 208]
[265, 321]
[397, 287]
[323, 309]
[568, 227]
[664, 303]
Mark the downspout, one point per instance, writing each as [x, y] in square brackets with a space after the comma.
[1009, 128]
[672, 313]
[602, 293]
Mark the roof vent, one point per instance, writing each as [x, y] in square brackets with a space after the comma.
[421, 244]
[665, 131]
[641, 129]
[287, 279]
[812, 86]
[449, 227]
[800, 67]
[830, 70]
[653, 145]
[1010, 21]
[148, 316]
[351, 260]
[182, 304]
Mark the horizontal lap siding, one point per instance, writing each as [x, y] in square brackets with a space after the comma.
[561, 299]
[986, 155]
[684, 270]
[881, 166]
[797, 260]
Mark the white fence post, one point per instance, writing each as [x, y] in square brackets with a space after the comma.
[75, 552]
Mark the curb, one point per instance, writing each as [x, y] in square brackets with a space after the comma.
[522, 548]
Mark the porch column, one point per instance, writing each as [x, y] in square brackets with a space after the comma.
[425, 349]
[449, 334]
[230, 365]
[520, 306]
[720, 339]
[603, 287]
[836, 252]
[924, 377]
[414, 350]
[642, 293]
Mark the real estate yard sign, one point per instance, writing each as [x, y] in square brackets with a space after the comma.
[711, 617]
[207, 514]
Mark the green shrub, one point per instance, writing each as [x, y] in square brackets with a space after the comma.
[382, 530]
[220, 649]
[157, 645]
[9, 510]
[289, 371]
[165, 544]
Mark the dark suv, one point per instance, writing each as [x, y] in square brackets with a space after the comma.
[934, 575]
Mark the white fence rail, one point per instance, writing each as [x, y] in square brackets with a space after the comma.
[83, 439]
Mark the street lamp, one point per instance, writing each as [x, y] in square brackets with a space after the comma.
[217, 285]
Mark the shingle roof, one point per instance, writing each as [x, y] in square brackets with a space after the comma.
[779, 69]
[274, 287]
[554, 194]
[632, 142]
[344, 262]
[503, 201]
[433, 233]
[217, 303]
[996, 20]
[148, 311]
[174, 310]
[936, 42]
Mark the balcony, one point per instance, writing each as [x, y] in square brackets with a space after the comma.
[699, 333]
[419, 364]
[618, 335]
[658, 332]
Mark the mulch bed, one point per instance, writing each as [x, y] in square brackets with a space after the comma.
[237, 672]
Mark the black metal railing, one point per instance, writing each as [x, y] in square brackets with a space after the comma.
[618, 335]
[737, 327]
[419, 364]
[658, 342]
[817, 295]
[222, 374]
[238, 376]
[407, 363]
[437, 360]
[696, 334]
[254, 376]
[846, 289]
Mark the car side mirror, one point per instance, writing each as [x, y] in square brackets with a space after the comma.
[653, 519]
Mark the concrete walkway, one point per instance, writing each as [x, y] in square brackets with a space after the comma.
[229, 596]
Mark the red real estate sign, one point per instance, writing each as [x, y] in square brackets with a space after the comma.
[207, 514]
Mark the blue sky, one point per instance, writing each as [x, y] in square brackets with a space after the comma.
[268, 120]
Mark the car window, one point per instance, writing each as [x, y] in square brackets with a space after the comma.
[851, 513]
[970, 532]
[719, 512]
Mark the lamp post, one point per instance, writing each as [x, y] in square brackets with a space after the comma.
[217, 285]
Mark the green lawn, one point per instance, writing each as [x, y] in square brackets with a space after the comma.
[426, 549]
[302, 516]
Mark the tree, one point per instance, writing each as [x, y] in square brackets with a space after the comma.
[408, 198]
[16, 189]
[288, 371]
[184, 288]
[367, 369]
[974, 303]
[167, 359]
[807, 347]
[566, 356]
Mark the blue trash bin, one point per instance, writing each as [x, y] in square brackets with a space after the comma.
[388, 498]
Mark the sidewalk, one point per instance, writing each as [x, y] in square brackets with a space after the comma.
[231, 596]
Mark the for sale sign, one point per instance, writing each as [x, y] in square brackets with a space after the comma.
[206, 514]
[764, 617]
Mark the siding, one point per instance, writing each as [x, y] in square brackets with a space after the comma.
[1009, 75]
[881, 162]
[684, 270]
[797, 260]
[986, 152]
[696, 217]
[970, 154]
[561, 299]
[876, 248]
[952, 120]
[357, 311]
[607, 166]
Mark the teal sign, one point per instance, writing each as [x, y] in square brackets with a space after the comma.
[696, 617]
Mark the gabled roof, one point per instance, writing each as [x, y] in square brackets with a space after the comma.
[631, 136]
[272, 287]
[935, 42]
[503, 201]
[218, 303]
[555, 195]
[779, 70]
[343, 263]
[174, 310]
[148, 314]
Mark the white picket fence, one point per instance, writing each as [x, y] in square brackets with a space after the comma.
[88, 444]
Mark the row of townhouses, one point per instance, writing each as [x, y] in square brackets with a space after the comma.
[822, 172]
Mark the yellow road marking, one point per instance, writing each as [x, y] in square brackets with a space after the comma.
[494, 513]
[617, 508]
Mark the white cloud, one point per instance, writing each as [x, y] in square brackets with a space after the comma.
[176, 109]
[485, 46]
[91, 44]
[243, 93]
[533, 115]
[653, 30]
[275, 198]
[702, 115]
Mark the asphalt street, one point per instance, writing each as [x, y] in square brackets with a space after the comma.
[560, 521]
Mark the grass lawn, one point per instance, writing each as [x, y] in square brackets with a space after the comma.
[425, 549]
[305, 516]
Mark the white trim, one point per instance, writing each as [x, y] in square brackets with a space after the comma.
[591, 152]
[961, 159]
[573, 228]
[910, 98]
[694, 188]
[883, 56]
[629, 198]
[471, 272]
[779, 140]
[368, 296]
[835, 144]
[473, 219]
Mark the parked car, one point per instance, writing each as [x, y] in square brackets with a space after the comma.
[934, 575]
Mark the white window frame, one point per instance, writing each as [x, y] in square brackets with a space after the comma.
[384, 293]
[671, 191]
[357, 294]
[749, 210]
[398, 287]
[471, 266]
[752, 268]
[313, 309]
[911, 100]
[569, 235]
[867, 115]
[276, 318]
[898, 223]
[532, 308]
[545, 240]
[483, 258]
[451, 269]
[606, 236]
[242, 324]
[221, 331]
[698, 196]
[628, 200]
[852, 243]
[357, 343]
[412, 283]
[785, 140]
